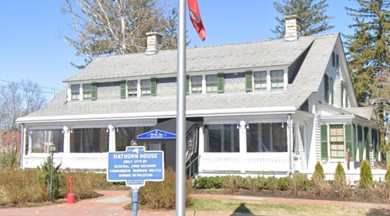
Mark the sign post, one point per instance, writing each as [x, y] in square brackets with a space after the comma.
[135, 166]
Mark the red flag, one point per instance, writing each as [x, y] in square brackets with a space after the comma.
[196, 19]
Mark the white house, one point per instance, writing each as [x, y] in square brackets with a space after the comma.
[261, 108]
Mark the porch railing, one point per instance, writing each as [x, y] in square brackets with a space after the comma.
[95, 161]
[244, 162]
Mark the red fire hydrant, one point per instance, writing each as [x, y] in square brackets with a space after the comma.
[70, 195]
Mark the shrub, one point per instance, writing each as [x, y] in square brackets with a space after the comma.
[250, 184]
[318, 179]
[271, 183]
[44, 176]
[300, 182]
[20, 187]
[162, 195]
[284, 183]
[366, 180]
[84, 183]
[9, 157]
[340, 185]
[387, 176]
[209, 182]
[260, 182]
[339, 177]
[232, 183]
[318, 172]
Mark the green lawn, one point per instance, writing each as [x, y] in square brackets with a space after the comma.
[258, 207]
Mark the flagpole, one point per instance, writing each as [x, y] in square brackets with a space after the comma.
[181, 111]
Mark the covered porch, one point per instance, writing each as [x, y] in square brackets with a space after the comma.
[271, 145]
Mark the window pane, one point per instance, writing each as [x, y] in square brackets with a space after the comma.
[211, 83]
[132, 87]
[145, 87]
[124, 136]
[222, 138]
[267, 137]
[196, 84]
[260, 79]
[277, 79]
[88, 140]
[87, 91]
[75, 92]
[279, 137]
[41, 139]
[336, 140]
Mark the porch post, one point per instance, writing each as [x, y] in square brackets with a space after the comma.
[29, 148]
[111, 138]
[23, 146]
[66, 131]
[242, 140]
[290, 143]
[201, 147]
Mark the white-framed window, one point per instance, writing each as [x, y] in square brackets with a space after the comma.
[145, 87]
[196, 84]
[277, 81]
[75, 92]
[336, 141]
[328, 89]
[132, 88]
[211, 83]
[87, 91]
[260, 80]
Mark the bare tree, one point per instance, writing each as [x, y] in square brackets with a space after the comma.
[117, 27]
[11, 101]
[32, 97]
[17, 100]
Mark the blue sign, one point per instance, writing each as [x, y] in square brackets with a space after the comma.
[157, 134]
[135, 166]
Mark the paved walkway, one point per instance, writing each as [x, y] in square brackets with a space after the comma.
[112, 202]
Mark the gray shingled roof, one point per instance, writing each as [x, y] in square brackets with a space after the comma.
[268, 53]
[364, 112]
[246, 55]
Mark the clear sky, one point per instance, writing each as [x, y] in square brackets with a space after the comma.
[32, 34]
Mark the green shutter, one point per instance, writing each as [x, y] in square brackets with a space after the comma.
[153, 86]
[367, 142]
[360, 141]
[349, 141]
[187, 85]
[337, 61]
[94, 91]
[123, 89]
[220, 82]
[375, 142]
[326, 79]
[249, 81]
[324, 142]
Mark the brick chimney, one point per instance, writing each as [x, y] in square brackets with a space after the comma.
[153, 43]
[292, 28]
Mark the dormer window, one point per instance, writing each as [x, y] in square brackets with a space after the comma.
[277, 81]
[145, 87]
[132, 88]
[87, 91]
[196, 84]
[260, 80]
[75, 92]
[211, 83]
